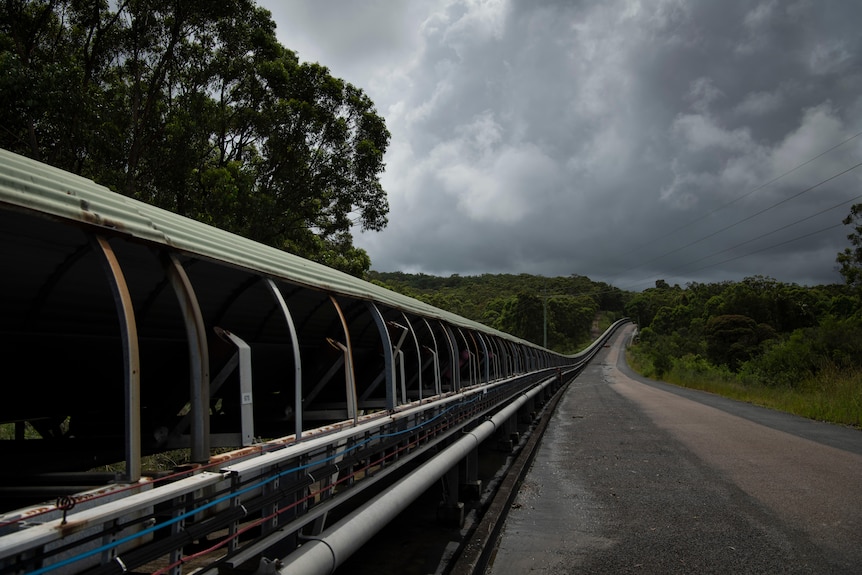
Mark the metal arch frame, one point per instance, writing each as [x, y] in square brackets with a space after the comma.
[388, 361]
[418, 350]
[505, 364]
[349, 372]
[436, 351]
[297, 360]
[513, 351]
[398, 361]
[455, 374]
[198, 357]
[131, 355]
[460, 332]
[498, 357]
[476, 358]
[487, 357]
[496, 362]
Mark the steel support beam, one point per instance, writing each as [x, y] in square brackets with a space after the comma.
[199, 387]
[131, 357]
[436, 353]
[246, 396]
[349, 372]
[388, 359]
[418, 351]
[297, 361]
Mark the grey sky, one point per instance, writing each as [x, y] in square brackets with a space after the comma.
[623, 140]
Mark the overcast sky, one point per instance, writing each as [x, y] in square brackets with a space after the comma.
[623, 140]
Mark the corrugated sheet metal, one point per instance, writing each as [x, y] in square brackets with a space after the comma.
[36, 186]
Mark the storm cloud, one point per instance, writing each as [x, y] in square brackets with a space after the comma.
[622, 140]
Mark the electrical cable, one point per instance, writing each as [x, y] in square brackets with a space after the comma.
[745, 195]
[149, 530]
[758, 188]
[758, 213]
[754, 215]
[761, 236]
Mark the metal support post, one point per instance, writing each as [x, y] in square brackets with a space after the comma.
[508, 436]
[468, 475]
[450, 511]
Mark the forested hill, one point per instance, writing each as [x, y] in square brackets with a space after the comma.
[516, 303]
[783, 345]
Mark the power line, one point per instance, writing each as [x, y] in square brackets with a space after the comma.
[790, 241]
[754, 215]
[758, 188]
[764, 249]
[761, 236]
[830, 178]
[745, 195]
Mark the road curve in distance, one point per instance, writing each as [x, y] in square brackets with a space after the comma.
[634, 476]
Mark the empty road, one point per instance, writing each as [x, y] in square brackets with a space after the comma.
[635, 476]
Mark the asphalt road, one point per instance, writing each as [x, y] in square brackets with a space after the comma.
[635, 476]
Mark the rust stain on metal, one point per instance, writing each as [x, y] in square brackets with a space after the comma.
[37, 511]
[96, 219]
[225, 457]
[72, 527]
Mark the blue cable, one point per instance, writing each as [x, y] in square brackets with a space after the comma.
[148, 530]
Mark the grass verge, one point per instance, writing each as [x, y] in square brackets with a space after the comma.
[833, 395]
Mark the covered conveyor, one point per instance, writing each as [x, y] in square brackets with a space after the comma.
[128, 331]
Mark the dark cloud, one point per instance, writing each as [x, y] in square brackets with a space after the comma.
[626, 141]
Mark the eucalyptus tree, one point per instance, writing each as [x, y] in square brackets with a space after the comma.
[851, 258]
[194, 106]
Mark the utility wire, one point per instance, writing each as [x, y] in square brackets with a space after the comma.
[767, 248]
[758, 188]
[745, 195]
[761, 236]
[790, 241]
[764, 249]
[754, 215]
[830, 178]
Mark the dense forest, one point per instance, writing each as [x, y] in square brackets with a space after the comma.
[562, 312]
[195, 107]
[783, 345]
[788, 346]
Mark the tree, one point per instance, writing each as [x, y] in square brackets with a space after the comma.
[851, 258]
[731, 339]
[522, 316]
[195, 107]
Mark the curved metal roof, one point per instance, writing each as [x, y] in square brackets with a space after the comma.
[35, 186]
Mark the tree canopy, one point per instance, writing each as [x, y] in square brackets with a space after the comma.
[195, 107]
[851, 258]
[563, 309]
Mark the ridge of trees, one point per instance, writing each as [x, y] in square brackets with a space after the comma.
[518, 303]
[748, 325]
[768, 332]
[776, 344]
[195, 107]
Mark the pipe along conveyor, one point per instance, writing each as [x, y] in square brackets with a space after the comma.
[132, 335]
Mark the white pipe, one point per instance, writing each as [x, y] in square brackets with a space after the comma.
[325, 553]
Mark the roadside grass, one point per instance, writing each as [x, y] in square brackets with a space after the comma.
[833, 395]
